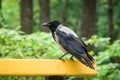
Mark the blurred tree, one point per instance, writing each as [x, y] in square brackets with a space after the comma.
[116, 19]
[44, 13]
[26, 15]
[110, 20]
[1, 17]
[64, 11]
[0, 6]
[88, 18]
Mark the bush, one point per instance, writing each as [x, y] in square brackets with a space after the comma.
[36, 45]
[107, 58]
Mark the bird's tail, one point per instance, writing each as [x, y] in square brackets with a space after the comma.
[89, 62]
[86, 59]
[90, 57]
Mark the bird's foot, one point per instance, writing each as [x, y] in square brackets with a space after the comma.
[71, 58]
[61, 59]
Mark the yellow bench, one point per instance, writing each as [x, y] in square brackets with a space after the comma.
[44, 67]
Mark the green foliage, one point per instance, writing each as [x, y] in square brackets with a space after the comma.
[36, 45]
[107, 58]
[21, 78]
[100, 44]
[11, 14]
[36, 15]
[72, 13]
[102, 26]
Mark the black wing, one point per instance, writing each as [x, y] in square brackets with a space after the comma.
[75, 47]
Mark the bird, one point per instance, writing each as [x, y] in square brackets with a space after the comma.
[69, 42]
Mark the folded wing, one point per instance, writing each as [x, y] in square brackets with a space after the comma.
[75, 47]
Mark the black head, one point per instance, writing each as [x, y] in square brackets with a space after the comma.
[52, 25]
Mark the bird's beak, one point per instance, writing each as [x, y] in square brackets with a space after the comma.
[45, 24]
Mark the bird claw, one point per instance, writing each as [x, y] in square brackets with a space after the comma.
[61, 59]
[71, 58]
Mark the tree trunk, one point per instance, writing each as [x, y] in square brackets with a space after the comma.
[64, 11]
[0, 8]
[110, 19]
[0, 4]
[88, 18]
[1, 16]
[26, 15]
[44, 13]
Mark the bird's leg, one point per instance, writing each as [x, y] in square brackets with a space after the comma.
[71, 58]
[62, 56]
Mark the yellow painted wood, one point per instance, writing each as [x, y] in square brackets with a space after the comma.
[43, 67]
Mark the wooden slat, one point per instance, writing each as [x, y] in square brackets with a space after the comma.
[44, 67]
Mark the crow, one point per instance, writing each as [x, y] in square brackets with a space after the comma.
[69, 42]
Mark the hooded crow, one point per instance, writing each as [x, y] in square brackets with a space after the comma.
[69, 42]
